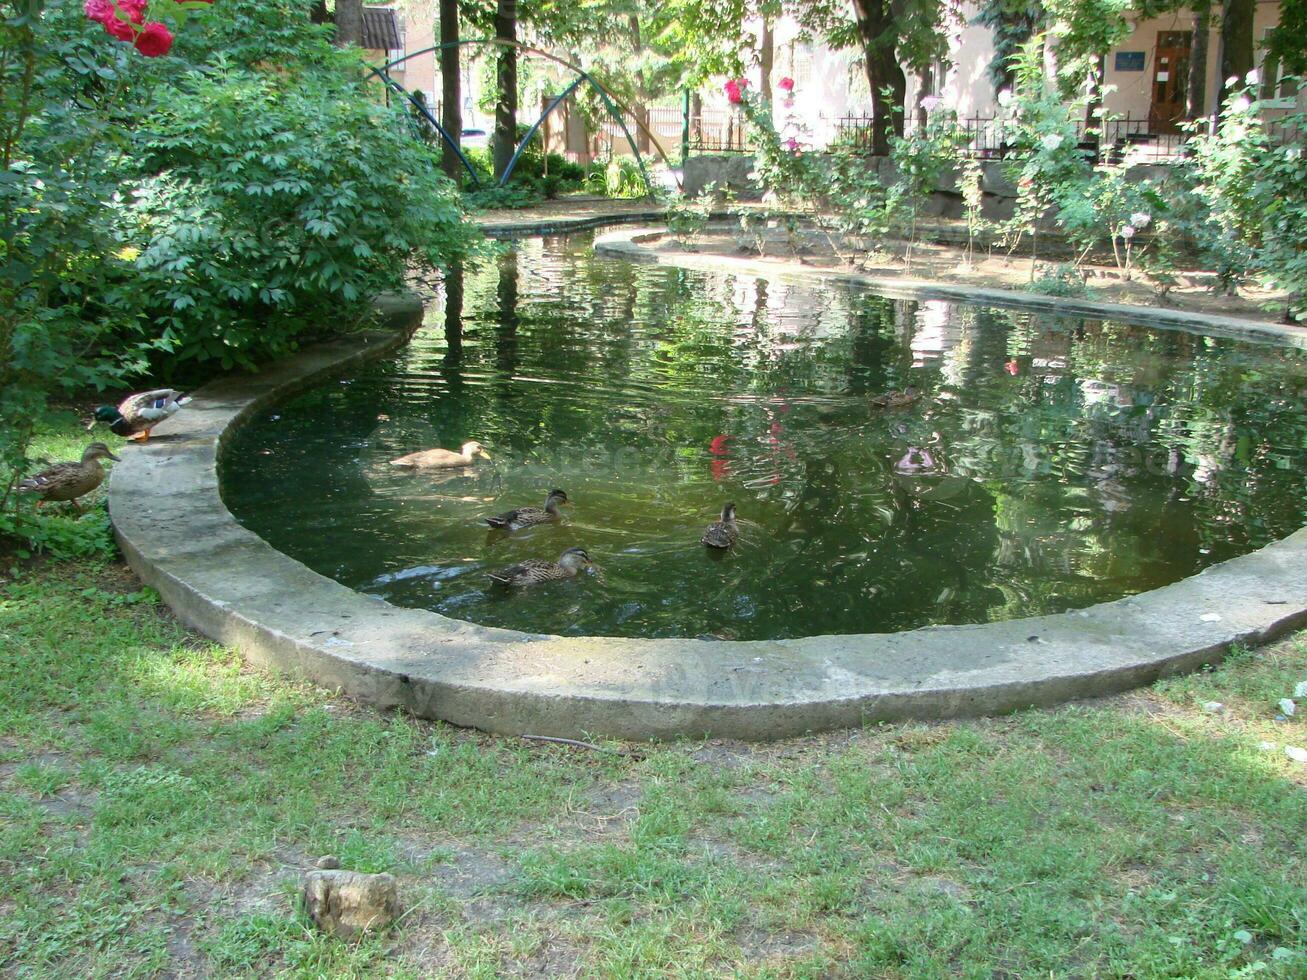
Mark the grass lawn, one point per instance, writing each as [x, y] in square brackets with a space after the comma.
[159, 801]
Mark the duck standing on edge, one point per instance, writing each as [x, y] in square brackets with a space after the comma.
[137, 414]
[438, 459]
[722, 533]
[536, 571]
[68, 481]
[530, 516]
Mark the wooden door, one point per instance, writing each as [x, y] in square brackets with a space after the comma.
[1170, 81]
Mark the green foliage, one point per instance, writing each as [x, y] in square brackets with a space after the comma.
[1281, 185]
[212, 207]
[1059, 279]
[687, 218]
[620, 177]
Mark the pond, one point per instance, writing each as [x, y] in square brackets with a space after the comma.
[1047, 463]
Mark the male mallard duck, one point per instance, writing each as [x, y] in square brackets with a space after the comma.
[897, 399]
[439, 459]
[536, 571]
[138, 414]
[722, 534]
[68, 481]
[530, 516]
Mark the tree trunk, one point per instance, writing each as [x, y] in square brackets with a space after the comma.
[451, 94]
[640, 110]
[1237, 56]
[318, 13]
[506, 85]
[349, 23]
[766, 58]
[1196, 91]
[878, 31]
[925, 82]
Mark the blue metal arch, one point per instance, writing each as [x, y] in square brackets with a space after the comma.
[609, 102]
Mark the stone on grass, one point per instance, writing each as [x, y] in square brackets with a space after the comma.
[1287, 707]
[1295, 753]
[347, 904]
[328, 862]
[1214, 707]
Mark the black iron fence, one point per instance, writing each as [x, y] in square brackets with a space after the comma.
[1120, 138]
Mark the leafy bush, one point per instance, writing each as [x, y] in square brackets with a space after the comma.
[212, 206]
[687, 218]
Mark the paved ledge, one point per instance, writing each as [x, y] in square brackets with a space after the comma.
[228, 583]
[631, 243]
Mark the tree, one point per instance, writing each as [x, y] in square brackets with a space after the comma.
[1196, 91]
[349, 23]
[1287, 43]
[506, 85]
[451, 96]
[1237, 44]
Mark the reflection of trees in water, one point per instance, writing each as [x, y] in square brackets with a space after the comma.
[1061, 455]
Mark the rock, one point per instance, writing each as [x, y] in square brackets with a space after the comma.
[347, 904]
[1215, 707]
[328, 862]
[1300, 690]
[1295, 753]
[1287, 707]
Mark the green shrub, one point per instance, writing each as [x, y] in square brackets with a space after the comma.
[211, 207]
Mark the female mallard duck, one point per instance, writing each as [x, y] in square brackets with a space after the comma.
[722, 534]
[536, 571]
[68, 481]
[530, 516]
[897, 399]
[140, 413]
[439, 459]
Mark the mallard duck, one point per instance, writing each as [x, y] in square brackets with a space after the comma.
[722, 533]
[440, 459]
[68, 481]
[530, 516]
[897, 399]
[537, 571]
[138, 414]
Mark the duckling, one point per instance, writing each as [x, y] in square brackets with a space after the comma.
[530, 516]
[536, 571]
[137, 414]
[722, 533]
[68, 481]
[439, 459]
[896, 399]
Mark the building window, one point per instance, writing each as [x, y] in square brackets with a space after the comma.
[1278, 89]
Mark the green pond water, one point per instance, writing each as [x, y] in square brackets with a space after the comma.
[1050, 462]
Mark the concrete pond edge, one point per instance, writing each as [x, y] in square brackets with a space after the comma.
[226, 582]
[633, 244]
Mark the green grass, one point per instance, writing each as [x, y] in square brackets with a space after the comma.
[159, 801]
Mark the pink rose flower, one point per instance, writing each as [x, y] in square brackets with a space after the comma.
[931, 102]
[791, 144]
[121, 29]
[786, 83]
[735, 90]
[100, 11]
[154, 40]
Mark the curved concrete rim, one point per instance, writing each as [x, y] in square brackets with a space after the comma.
[231, 585]
[633, 244]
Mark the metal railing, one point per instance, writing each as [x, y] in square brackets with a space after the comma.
[1120, 138]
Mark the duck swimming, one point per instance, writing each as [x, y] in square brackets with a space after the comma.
[536, 571]
[722, 533]
[897, 399]
[439, 459]
[512, 520]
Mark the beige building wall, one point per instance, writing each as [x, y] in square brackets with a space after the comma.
[1132, 91]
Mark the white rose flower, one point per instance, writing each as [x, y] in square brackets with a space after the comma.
[1140, 219]
[1052, 141]
[1127, 231]
[1005, 98]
